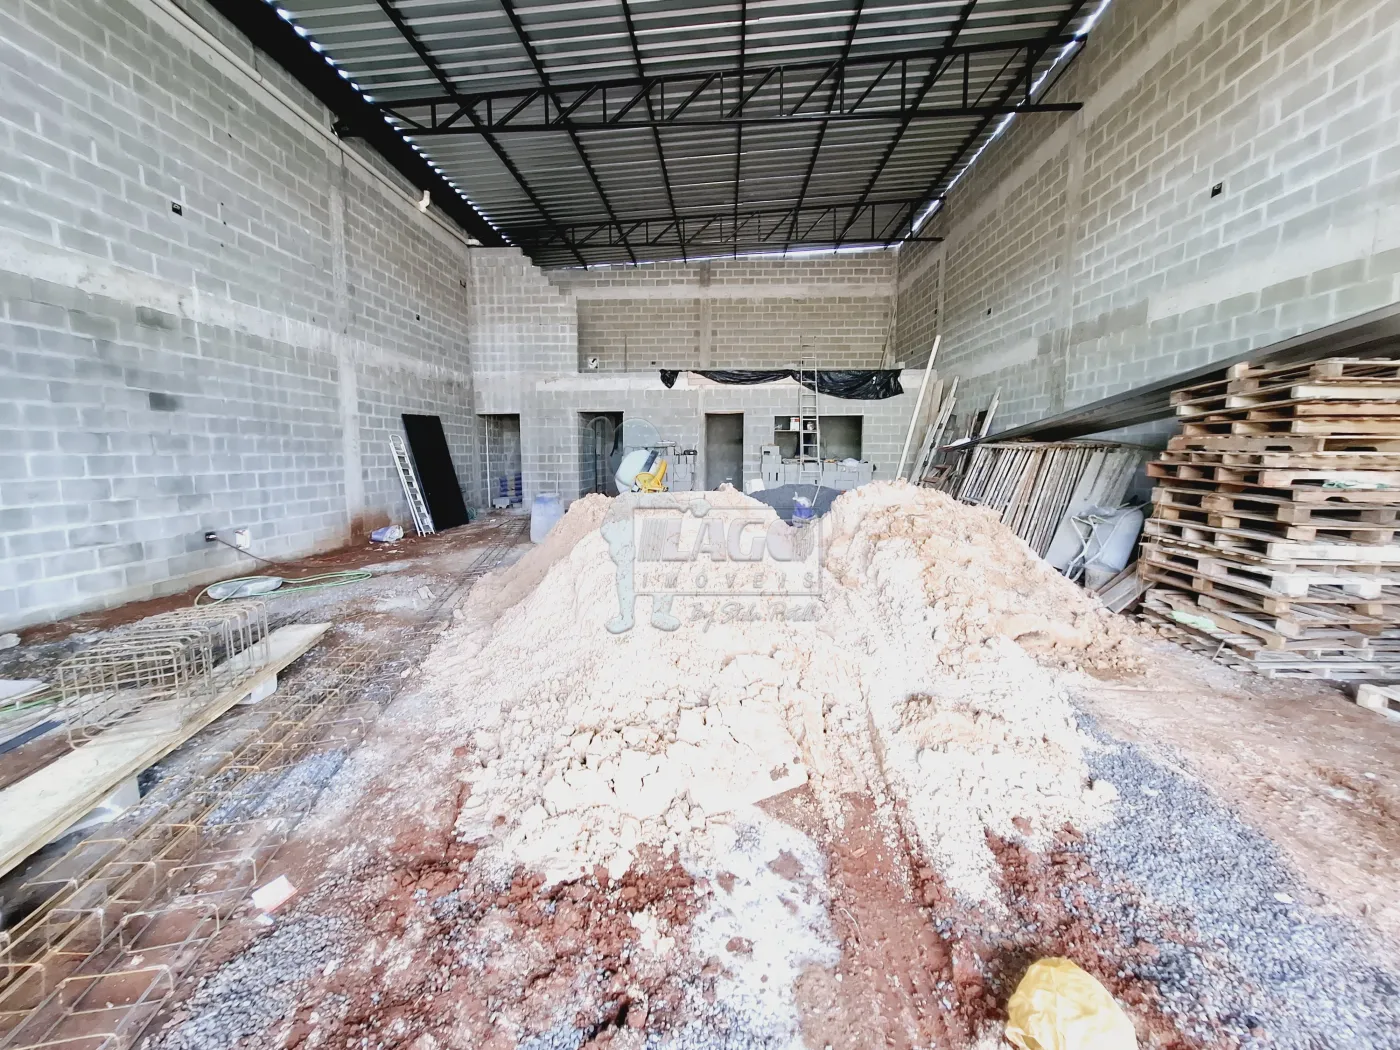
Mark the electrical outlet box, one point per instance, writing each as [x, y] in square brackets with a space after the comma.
[242, 539]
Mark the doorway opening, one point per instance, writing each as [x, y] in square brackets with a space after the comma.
[724, 449]
[600, 451]
[504, 486]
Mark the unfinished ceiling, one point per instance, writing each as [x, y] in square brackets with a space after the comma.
[643, 130]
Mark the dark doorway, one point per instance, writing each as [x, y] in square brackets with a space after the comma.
[600, 451]
[441, 490]
[501, 443]
[724, 449]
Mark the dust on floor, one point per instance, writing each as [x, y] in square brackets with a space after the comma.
[849, 829]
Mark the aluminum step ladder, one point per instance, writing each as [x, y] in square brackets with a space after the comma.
[422, 520]
[809, 434]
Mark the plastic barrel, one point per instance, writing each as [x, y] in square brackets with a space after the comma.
[544, 512]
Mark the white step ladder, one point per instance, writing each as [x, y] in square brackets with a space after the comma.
[422, 520]
[809, 434]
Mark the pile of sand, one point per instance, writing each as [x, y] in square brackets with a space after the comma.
[910, 686]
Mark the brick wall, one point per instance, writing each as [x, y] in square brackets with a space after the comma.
[1085, 254]
[237, 365]
[734, 313]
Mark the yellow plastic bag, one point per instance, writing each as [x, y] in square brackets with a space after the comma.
[1057, 1006]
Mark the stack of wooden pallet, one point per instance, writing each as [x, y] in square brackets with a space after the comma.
[1273, 539]
[1036, 486]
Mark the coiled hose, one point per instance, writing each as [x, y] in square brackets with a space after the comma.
[273, 586]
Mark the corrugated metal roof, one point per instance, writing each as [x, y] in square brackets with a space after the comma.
[631, 130]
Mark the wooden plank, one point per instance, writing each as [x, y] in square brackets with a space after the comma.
[1124, 590]
[39, 807]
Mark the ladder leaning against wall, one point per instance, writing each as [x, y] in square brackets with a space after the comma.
[809, 433]
[422, 520]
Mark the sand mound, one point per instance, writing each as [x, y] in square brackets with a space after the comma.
[501, 590]
[909, 685]
[978, 578]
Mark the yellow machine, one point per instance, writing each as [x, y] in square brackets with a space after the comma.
[653, 481]
[642, 470]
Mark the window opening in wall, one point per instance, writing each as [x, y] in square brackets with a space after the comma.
[600, 451]
[504, 483]
[724, 449]
[840, 436]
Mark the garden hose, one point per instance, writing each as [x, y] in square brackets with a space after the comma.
[273, 586]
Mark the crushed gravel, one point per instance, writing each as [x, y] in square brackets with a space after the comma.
[1243, 945]
[257, 988]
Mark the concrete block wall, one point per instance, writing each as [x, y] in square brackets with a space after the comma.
[734, 313]
[531, 334]
[550, 427]
[1086, 254]
[917, 303]
[239, 364]
[520, 323]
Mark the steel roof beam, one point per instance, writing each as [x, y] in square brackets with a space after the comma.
[759, 225]
[452, 125]
[516, 24]
[739, 128]
[937, 187]
[934, 73]
[655, 131]
[830, 105]
[276, 37]
[732, 96]
[425, 56]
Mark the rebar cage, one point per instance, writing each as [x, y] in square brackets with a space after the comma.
[162, 670]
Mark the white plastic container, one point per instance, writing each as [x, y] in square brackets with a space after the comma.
[545, 511]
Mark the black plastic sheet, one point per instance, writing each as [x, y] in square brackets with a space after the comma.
[854, 384]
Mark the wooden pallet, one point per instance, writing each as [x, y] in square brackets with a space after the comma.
[1335, 380]
[1295, 616]
[1332, 482]
[1238, 651]
[1285, 444]
[1317, 584]
[1302, 495]
[1382, 698]
[1268, 631]
[1271, 547]
[1275, 535]
[1183, 509]
[1371, 462]
[1265, 507]
[1361, 423]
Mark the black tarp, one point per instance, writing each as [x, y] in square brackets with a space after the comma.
[854, 384]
